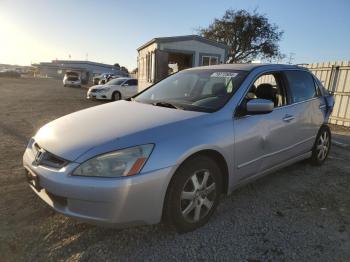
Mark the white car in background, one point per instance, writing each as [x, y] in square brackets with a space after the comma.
[115, 89]
[72, 79]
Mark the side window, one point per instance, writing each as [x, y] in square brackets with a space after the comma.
[205, 60]
[301, 84]
[209, 60]
[213, 60]
[133, 82]
[126, 83]
[268, 86]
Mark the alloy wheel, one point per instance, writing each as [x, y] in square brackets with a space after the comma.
[322, 146]
[198, 196]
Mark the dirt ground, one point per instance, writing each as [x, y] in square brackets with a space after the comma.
[301, 213]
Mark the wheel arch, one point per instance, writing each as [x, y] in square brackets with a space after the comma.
[117, 91]
[325, 125]
[218, 158]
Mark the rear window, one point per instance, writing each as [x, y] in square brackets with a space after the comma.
[72, 74]
[72, 78]
[301, 84]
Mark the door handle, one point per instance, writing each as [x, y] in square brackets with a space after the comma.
[288, 118]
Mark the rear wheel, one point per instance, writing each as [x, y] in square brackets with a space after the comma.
[322, 146]
[116, 96]
[193, 194]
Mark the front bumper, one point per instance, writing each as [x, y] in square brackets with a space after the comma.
[98, 96]
[106, 201]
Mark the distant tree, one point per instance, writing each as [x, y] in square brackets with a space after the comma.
[117, 65]
[249, 35]
[135, 70]
[124, 69]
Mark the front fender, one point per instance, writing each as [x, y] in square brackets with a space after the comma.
[181, 144]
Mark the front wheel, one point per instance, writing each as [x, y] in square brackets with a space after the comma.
[321, 147]
[116, 96]
[193, 194]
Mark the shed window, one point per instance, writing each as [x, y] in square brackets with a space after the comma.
[209, 60]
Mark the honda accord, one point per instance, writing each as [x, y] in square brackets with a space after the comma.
[172, 150]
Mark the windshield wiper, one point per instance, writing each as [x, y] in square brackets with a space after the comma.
[166, 104]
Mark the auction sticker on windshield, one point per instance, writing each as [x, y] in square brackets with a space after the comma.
[223, 74]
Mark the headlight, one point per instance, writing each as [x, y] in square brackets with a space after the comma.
[125, 162]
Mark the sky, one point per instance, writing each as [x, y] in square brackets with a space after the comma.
[111, 31]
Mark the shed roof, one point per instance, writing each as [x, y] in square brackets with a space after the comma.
[183, 38]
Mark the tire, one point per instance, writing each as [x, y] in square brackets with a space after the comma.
[116, 96]
[321, 147]
[189, 202]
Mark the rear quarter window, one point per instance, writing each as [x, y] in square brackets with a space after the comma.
[301, 84]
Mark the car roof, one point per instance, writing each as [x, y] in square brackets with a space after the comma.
[124, 78]
[248, 67]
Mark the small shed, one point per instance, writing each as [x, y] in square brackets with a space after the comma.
[166, 55]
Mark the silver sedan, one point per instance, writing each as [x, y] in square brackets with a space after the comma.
[173, 149]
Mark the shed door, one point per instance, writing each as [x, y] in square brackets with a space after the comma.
[162, 58]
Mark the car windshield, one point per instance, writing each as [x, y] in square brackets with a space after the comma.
[116, 82]
[205, 90]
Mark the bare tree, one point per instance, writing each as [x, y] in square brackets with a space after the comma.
[249, 35]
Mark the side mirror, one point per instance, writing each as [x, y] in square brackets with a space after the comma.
[126, 84]
[259, 106]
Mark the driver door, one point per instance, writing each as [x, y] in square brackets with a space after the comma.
[259, 138]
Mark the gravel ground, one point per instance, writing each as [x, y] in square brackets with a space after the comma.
[301, 213]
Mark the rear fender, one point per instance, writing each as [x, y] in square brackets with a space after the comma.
[329, 99]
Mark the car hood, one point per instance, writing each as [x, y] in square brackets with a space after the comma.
[97, 87]
[102, 86]
[72, 135]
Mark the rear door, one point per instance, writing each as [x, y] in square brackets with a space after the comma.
[130, 87]
[306, 108]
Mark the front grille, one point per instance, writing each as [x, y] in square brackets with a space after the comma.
[45, 158]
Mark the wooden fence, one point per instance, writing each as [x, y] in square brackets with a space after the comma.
[335, 76]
